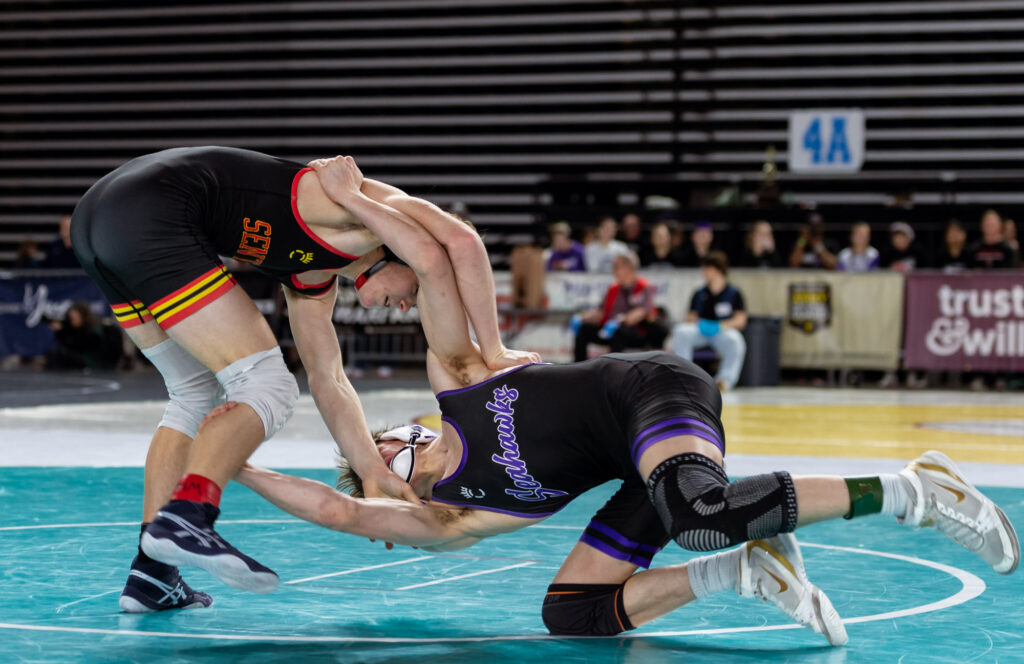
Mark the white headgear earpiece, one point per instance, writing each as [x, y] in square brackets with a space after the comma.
[409, 432]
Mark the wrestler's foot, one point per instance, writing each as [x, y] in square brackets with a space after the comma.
[182, 534]
[773, 570]
[155, 586]
[940, 498]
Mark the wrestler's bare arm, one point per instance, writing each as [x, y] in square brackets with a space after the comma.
[317, 342]
[424, 525]
[470, 262]
[441, 310]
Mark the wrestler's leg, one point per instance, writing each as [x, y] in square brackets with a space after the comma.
[152, 585]
[820, 497]
[165, 464]
[703, 510]
[168, 449]
[597, 590]
[230, 337]
[594, 594]
[218, 335]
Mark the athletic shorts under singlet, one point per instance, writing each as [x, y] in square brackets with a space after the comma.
[540, 435]
[151, 232]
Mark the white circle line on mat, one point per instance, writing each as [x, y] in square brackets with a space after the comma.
[971, 586]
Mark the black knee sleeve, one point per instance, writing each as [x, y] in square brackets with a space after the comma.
[702, 511]
[585, 609]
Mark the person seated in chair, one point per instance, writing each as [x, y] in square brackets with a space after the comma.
[716, 318]
[628, 317]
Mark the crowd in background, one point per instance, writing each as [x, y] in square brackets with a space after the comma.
[716, 318]
[666, 244]
[56, 255]
[628, 318]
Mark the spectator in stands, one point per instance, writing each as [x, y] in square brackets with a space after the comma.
[28, 256]
[84, 342]
[59, 254]
[716, 317]
[632, 233]
[601, 253]
[659, 253]
[759, 247]
[628, 318]
[992, 252]
[565, 254]
[812, 250]
[1010, 236]
[678, 236]
[860, 256]
[902, 254]
[701, 244]
[953, 257]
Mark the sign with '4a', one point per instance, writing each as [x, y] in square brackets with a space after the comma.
[826, 141]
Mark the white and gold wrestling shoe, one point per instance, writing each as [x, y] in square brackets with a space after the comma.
[773, 570]
[942, 499]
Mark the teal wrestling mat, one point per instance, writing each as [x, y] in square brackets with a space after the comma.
[67, 536]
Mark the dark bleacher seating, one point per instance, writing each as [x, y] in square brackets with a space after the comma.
[526, 110]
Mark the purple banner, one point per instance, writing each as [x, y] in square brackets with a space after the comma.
[965, 322]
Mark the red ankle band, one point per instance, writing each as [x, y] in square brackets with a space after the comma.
[197, 488]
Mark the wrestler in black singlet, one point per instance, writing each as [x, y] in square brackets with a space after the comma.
[150, 232]
[536, 437]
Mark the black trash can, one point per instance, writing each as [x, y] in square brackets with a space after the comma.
[761, 366]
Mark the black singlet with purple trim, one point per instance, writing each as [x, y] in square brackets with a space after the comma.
[540, 435]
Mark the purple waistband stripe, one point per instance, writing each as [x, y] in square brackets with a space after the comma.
[680, 420]
[672, 433]
[621, 539]
[605, 548]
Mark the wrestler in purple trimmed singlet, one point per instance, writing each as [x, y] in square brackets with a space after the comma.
[538, 436]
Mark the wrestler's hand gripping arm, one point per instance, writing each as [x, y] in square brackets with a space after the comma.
[441, 309]
[471, 264]
[399, 221]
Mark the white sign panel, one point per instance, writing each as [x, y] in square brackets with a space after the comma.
[826, 141]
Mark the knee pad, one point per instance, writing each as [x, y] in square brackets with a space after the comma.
[192, 389]
[702, 511]
[263, 382]
[585, 609]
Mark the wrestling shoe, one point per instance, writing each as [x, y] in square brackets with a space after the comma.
[940, 498]
[151, 587]
[182, 535]
[773, 570]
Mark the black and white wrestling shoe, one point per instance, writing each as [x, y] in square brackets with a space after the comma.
[182, 535]
[155, 586]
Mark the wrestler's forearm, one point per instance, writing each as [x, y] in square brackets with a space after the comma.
[317, 343]
[471, 265]
[298, 496]
[342, 412]
[402, 234]
[476, 287]
[442, 311]
[378, 518]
